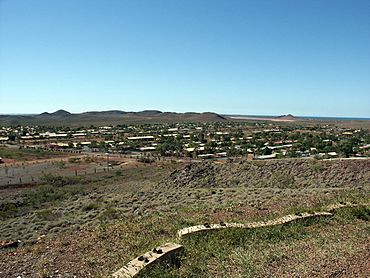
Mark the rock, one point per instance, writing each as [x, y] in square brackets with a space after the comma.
[9, 244]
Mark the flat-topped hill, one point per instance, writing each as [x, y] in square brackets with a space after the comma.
[111, 117]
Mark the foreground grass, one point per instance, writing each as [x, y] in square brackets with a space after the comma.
[96, 224]
[66, 204]
[294, 249]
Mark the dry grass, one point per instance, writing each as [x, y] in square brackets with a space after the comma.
[93, 227]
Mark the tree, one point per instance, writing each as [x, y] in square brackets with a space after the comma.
[345, 148]
[267, 151]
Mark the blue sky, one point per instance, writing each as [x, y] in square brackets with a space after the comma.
[308, 57]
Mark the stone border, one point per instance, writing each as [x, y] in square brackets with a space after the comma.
[282, 220]
[169, 251]
[166, 252]
[343, 205]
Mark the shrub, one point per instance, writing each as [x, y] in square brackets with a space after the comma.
[362, 213]
[48, 193]
[316, 166]
[91, 206]
[8, 210]
[119, 173]
[109, 214]
[145, 159]
[59, 181]
[74, 160]
[47, 214]
[60, 164]
[283, 180]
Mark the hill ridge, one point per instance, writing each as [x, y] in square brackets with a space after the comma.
[110, 117]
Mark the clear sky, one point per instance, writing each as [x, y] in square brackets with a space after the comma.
[305, 57]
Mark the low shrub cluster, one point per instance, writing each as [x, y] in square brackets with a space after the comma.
[362, 213]
[8, 210]
[59, 181]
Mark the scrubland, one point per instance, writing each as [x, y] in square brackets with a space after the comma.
[92, 225]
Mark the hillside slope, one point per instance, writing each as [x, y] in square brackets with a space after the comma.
[294, 173]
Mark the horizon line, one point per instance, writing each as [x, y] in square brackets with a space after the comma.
[222, 114]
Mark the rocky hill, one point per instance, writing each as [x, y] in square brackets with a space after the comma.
[112, 117]
[288, 117]
[295, 173]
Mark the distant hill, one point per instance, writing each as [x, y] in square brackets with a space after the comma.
[149, 113]
[111, 117]
[282, 118]
[59, 113]
[289, 117]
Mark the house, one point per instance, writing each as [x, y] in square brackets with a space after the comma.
[205, 156]
[141, 138]
[80, 134]
[145, 149]
[268, 156]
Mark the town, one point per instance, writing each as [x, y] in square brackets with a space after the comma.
[202, 139]
[217, 140]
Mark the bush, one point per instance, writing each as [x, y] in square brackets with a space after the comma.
[316, 166]
[74, 160]
[8, 210]
[60, 164]
[119, 173]
[362, 213]
[283, 180]
[48, 193]
[47, 214]
[109, 214]
[59, 181]
[145, 159]
[91, 206]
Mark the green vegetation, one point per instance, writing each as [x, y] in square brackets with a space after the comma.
[49, 193]
[362, 213]
[283, 180]
[60, 181]
[54, 190]
[252, 252]
[211, 139]
[8, 210]
[74, 160]
[316, 166]
[91, 206]
[145, 159]
[109, 214]
[105, 220]
[20, 154]
[47, 215]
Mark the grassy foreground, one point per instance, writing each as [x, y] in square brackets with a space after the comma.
[303, 249]
[95, 225]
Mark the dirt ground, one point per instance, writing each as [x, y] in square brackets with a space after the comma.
[91, 227]
[31, 171]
